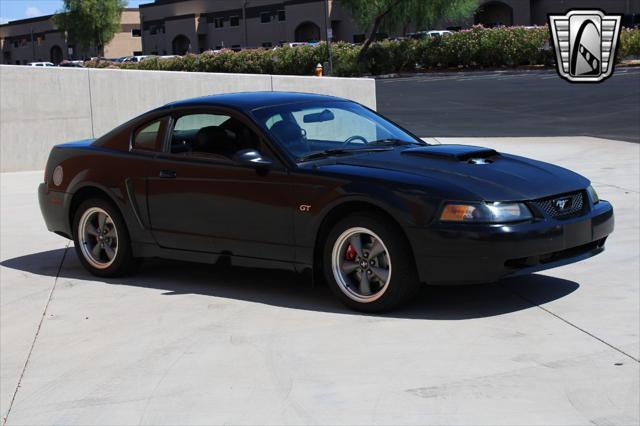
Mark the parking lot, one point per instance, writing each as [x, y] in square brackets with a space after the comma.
[514, 103]
[182, 343]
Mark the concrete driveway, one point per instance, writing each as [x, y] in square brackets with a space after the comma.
[183, 343]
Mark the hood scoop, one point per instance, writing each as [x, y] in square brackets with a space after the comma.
[461, 153]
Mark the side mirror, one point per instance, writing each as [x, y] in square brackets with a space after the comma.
[251, 157]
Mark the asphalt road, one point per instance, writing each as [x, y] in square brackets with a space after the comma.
[533, 103]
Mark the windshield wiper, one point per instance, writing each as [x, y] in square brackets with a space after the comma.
[392, 142]
[338, 151]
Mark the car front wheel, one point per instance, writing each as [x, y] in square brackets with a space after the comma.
[369, 265]
[101, 239]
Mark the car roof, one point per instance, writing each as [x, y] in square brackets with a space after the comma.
[247, 101]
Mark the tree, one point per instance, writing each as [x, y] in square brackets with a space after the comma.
[90, 22]
[391, 15]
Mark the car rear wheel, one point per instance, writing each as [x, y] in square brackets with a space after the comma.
[101, 239]
[369, 264]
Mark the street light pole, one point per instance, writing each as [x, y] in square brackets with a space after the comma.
[244, 21]
[33, 45]
[329, 34]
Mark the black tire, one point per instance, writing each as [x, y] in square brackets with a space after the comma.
[403, 283]
[123, 261]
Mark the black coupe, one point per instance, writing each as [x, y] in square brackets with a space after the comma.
[315, 183]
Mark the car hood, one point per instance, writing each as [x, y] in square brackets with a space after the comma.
[474, 171]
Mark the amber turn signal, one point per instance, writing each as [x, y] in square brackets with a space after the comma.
[457, 213]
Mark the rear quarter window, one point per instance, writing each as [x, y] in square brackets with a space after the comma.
[146, 138]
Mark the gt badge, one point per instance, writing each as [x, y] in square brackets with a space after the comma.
[304, 208]
[585, 44]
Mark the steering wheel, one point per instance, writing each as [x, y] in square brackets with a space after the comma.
[355, 138]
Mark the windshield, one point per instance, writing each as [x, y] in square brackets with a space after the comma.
[309, 128]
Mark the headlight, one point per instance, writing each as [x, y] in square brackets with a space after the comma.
[593, 195]
[485, 213]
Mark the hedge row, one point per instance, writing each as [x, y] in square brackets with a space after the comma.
[629, 44]
[475, 48]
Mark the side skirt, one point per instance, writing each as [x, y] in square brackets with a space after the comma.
[152, 250]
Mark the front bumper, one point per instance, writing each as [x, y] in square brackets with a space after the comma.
[466, 253]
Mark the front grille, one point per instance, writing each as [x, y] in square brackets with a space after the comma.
[562, 206]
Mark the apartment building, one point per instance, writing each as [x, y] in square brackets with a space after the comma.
[38, 39]
[181, 26]
[534, 12]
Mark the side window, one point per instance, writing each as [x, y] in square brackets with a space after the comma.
[215, 136]
[147, 137]
[198, 121]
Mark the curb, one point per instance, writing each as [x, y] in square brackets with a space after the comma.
[633, 63]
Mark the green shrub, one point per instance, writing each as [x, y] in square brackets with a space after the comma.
[484, 47]
[345, 60]
[629, 43]
[388, 57]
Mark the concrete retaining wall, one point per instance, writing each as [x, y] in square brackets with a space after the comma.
[41, 107]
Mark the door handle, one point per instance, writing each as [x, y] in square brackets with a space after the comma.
[167, 174]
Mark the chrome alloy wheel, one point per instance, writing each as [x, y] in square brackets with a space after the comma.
[98, 237]
[361, 264]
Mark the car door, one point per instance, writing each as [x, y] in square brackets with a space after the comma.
[200, 199]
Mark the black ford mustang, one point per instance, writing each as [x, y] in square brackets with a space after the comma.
[318, 183]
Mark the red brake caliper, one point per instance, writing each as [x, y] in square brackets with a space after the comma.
[351, 253]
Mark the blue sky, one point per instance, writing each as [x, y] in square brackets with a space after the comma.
[11, 10]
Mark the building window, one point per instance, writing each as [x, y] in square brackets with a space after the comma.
[267, 44]
[265, 17]
[156, 29]
[282, 16]
[234, 21]
[358, 38]
[136, 32]
[218, 22]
